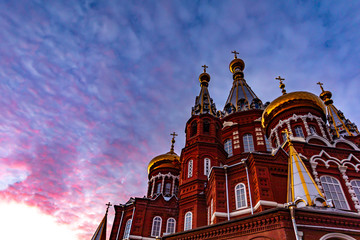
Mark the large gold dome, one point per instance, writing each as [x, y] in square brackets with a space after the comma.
[291, 100]
[170, 159]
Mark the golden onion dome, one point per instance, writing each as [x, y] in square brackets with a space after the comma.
[291, 100]
[168, 160]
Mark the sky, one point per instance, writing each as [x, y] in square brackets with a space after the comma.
[91, 90]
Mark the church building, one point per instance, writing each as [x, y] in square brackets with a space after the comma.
[286, 169]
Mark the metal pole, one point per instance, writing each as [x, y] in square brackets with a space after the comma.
[247, 176]
[118, 232]
[292, 213]
[227, 193]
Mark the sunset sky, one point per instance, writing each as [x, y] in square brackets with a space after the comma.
[91, 90]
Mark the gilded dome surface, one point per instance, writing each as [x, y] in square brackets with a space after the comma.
[291, 100]
[169, 159]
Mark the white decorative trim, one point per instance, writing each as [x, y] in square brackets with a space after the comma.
[333, 235]
[228, 124]
[140, 237]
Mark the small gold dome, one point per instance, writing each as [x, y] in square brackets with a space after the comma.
[170, 159]
[291, 100]
[236, 63]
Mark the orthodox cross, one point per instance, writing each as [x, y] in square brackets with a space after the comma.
[173, 139]
[287, 134]
[282, 85]
[321, 86]
[108, 205]
[205, 67]
[235, 53]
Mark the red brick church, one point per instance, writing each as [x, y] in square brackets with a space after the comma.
[288, 169]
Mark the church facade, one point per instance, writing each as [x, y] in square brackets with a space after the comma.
[288, 169]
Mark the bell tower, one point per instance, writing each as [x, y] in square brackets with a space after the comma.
[203, 149]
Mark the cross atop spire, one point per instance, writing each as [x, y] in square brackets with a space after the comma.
[108, 205]
[172, 141]
[287, 134]
[205, 67]
[321, 86]
[235, 54]
[282, 85]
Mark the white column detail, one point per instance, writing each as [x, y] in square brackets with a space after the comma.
[321, 127]
[162, 184]
[306, 125]
[342, 170]
[173, 185]
[153, 187]
[289, 128]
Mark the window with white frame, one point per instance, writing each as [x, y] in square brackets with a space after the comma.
[188, 221]
[333, 190]
[127, 229]
[190, 168]
[207, 166]
[170, 225]
[298, 131]
[158, 188]
[156, 226]
[356, 186]
[312, 130]
[228, 147]
[248, 143]
[267, 144]
[240, 196]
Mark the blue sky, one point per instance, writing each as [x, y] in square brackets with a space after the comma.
[91, 90]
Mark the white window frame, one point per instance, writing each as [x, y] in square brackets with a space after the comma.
[325, 184]
[168, 227]
[207, 166]
[188, 221]
[355, 183]
[238, 199]
[299, 131]
[127, 229]
[248, 142]
[156, 226]
[267, 145]
[190, 168]
[166, 185]
[158, 188]
[228, 147]
[312, 130]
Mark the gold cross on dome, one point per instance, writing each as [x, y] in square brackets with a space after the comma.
[173, 134]
[280, 79]
[172, 141]
[235, 53]
[321, 86]
[205, 67]
[108, 205]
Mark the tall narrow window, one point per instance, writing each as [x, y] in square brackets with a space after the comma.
[298, 131]
[190, 168]
[313, 130]
[248, 143]
[333, 190]
[240, 195]
[167, 188]
[267, 143]
[284, 137]
[356, 186]
[193, 129]
[176, 189]
[228, 147]
[206, 126]
[188, 221]
[170, 225]
[158, 188]
[127, 229]
[156, 227]
[207, 166]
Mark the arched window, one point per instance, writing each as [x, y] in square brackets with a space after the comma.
[336, 236]
[284, 137]
[298, 131]
[356, 186]
[170, 225]
[158, 188]
[267, 144]
[248, 143]
[207, 166]
[228, 147]
[127, 229]
[240, 196]
[333, 190]
[156, 227]
[312, 130]
[176, 189]
[206, 126]
[167, 188]
[190, 168]
[193, 129]
[188, 221]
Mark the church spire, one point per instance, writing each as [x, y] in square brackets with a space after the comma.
[203, 102]
[339, 125]
[100, 233]
[241, 96]
[302, 189]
